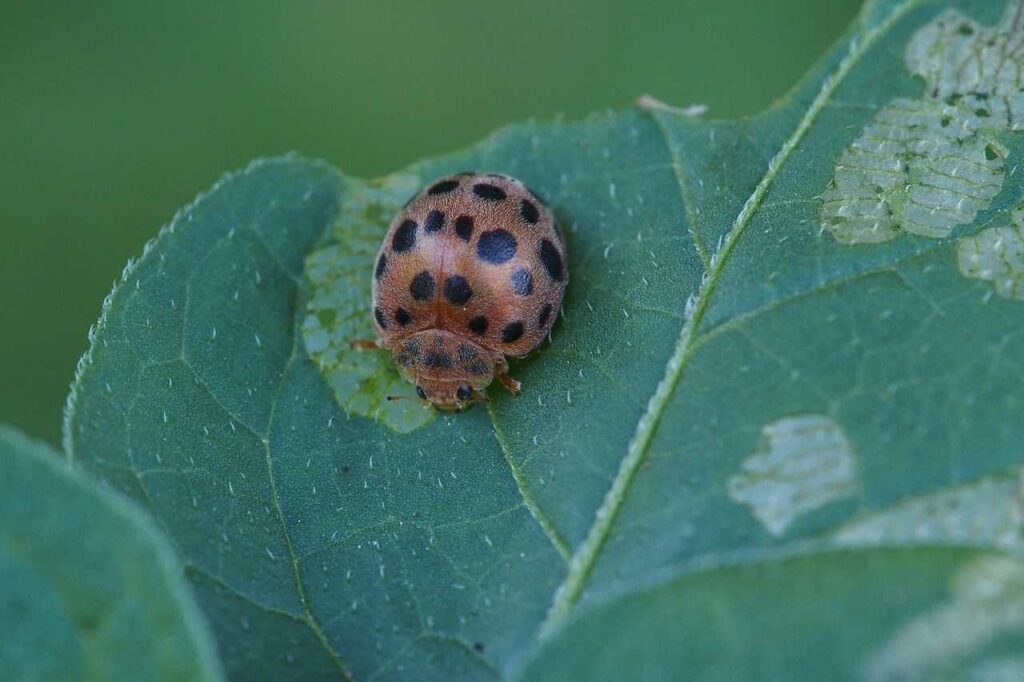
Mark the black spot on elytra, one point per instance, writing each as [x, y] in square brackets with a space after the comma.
[434, 221]
[528, 210]
[511, 332]
[464, 227]
[478, 325]
[470, 359]
[378, 315]
[382, 263]
[496, 246]
[436, 359]
[409, 354]
[402, 317]
[552, 260]
[405, 236]
[522, 282]
[422, 286]
[457, 289]
[545, 313]
[489, 192]
[466, 352]
[443, 187]
[478, 647]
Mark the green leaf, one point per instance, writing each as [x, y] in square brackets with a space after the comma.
[89, 589]
[751, 383]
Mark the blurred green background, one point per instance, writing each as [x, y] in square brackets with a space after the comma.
[114, 114]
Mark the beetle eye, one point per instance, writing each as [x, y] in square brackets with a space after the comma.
[463, 392]
[420, 392]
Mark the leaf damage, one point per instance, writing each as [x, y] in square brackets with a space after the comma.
[925, 166]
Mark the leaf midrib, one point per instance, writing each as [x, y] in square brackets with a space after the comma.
[584, 558]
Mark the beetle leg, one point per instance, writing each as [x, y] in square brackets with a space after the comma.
[513, 386]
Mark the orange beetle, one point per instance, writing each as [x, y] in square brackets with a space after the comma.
[472, 270]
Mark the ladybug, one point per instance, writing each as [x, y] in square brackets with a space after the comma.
[471, 271]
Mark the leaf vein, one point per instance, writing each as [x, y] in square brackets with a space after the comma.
[538, 514]
[249, 599]
[684, 189]
[310, 619]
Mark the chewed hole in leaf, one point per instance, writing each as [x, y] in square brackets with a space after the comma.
[917, 168]
[996, 255]
[984, 512]
[973, 80]
[338, 308]
[804, 463]
[987, 602]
